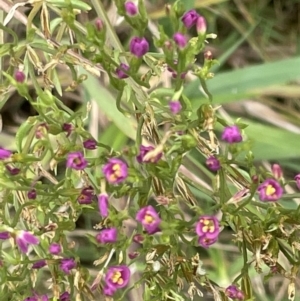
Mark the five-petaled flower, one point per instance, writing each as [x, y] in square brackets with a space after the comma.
[116, 277]
[138, 46]
[234, 293]
[107, 236]
[67, 264]
[76, 161]
[145, 150]
[270, 190]
[115, 171]
[208, 230]
[24, 239]
[149, 218]
[232, 134]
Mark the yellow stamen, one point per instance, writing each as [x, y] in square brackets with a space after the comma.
[116, 278]
[270, 190]
[148, 219]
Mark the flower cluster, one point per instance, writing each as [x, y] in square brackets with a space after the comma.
[208, 230]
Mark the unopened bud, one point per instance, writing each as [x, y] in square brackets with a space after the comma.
[201, 25]
[277, 171]
[19, 76]
[208, 55]
[99, 24]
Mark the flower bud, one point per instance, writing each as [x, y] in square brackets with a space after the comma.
[277, 171]
[130, 8]
[180, 40]
[99, 24]
[19, 76]
[201, 25]
[138, 46]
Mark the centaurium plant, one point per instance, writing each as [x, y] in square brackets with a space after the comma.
[145, 207]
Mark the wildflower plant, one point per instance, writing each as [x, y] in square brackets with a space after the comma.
[149, 248]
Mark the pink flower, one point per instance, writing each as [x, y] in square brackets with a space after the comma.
[67, 264]
[24, 239]
[90, 144]
[270, 190]
[39, 264]
[297, 179]
[76, 161]
[86, 195]
[232, 134]
[138, 46]
[55, 248]
[103, 204]
[213, 163]
[145, 150]
[149, 218]
[189, 19]
[180, 39]
[116, 277]
[201, 25]
[130, 8]
[4, 235]
[4, 153]
[107, 236]
[175, 106]
[121, 71]
[115, 171]
[31, 194]
[208, 230]
[65, 297]
[68, 127]
[20, 76]
[234, 293]
[277, 171]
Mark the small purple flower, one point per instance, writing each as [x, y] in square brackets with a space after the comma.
[208, 230]
[121, 71]
[103, 204]
[55, 248]
[67, 264]
[232, 134]
[133, 255]
[138, 238]
[131, 8]
[277, 171]
[297, 179]
[234, 293]
[76, 161]
[149, 218]
[138, 46]
[116, 277]
[19, 76]
[201, 25]
[213, 163]
[115, 171]
[65, 297]
[31, 194]
[4, 235]
[86, 195]
[270, 190]
[90, 144]
[145, 150]
[189, 19]
[68, 127]
[99, 24]
[107, 236]
[175, 106]
[13, 170]
[4, 153]
[180, 39]
[39, 264]
[25, 238]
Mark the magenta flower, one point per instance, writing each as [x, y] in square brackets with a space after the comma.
[103, 204]
[121, 71]
[86, 195]
[138, 238]
[99, 24]
[175, 106]
[270, 190]
[90, 144]
[67, 264]
[4, 235]
[180, 39]
[138, 46]
[24, 239]
[213, 163]
[13, 170]
[4, 153]
[107, 236]
[145, 150]
[31, 194]
[149, 218]
[115, 171]
[37, 298]
[189, 19]
[116, 277]
[39, 264]
[232, 134]
[19, 76]
[208, 230]
[68, 127]
[133, 255]
[277, 171]
[65, 297]
[131, 8]
[201, 25]
[234, 293]
[76, 161]
[297, 179]
[55, 248]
